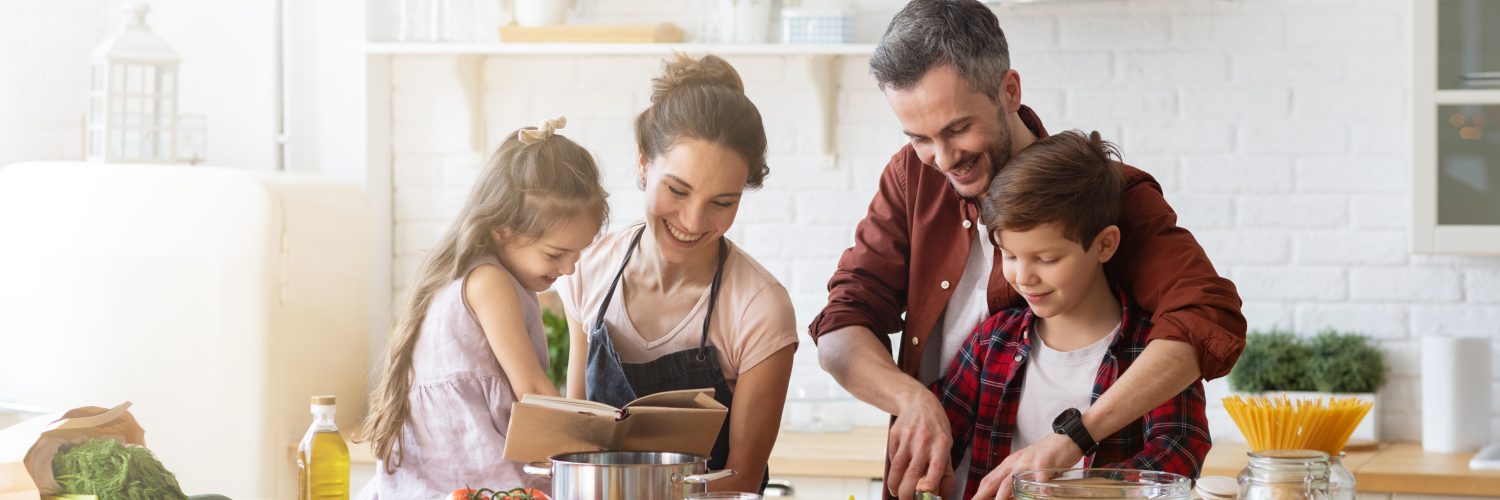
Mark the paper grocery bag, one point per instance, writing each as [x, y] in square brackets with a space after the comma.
[27, 448]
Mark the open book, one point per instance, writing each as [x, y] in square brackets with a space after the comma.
[682, 421]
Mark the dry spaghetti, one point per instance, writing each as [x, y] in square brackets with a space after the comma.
[1281, 423]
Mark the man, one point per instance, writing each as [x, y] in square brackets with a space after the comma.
[945, 70]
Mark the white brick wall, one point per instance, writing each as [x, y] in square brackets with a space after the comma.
[1292, 211]
[1343, 246]
[1278, 128]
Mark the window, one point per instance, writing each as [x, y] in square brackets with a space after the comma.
[1456, 123]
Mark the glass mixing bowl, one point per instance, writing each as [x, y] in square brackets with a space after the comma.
[1100, 484]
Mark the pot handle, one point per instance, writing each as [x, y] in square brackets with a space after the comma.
[706, 477]
[539, 469]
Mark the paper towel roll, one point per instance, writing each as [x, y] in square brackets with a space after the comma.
[1455, 394]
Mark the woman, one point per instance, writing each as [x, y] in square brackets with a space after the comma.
[671, 303]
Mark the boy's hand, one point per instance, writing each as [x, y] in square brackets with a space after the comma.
[918, 446]
[1052, 452]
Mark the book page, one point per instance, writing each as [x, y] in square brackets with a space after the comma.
[684, 398]
[691, 429]
[566, 404]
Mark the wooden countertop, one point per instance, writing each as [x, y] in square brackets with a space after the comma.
[1390, 468]
[859, 453]
[1405, 468]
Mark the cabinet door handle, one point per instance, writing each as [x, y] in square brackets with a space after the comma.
[1485, 77]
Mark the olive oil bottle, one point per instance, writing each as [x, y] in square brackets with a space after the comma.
[322, 456]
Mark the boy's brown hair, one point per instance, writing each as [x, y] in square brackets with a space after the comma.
[1067, 178]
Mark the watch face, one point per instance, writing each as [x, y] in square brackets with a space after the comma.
[1060, 423]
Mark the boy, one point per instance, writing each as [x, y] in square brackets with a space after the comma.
[1025, 371]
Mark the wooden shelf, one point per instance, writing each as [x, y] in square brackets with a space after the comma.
[821, 65]
[600, 49]
[1467, 96]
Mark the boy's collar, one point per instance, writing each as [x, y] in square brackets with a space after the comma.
[1127, 315]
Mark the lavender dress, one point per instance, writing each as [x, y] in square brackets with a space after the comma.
[460, 404]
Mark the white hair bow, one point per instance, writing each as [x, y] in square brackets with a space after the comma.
[541, 132]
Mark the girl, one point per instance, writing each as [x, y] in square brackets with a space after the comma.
[671, 303]
[470, 342]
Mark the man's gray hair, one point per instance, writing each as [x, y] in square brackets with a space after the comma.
[930, 33]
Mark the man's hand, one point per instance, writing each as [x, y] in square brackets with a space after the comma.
[1052, 452]
[918, 446]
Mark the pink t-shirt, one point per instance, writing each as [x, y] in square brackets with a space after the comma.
[752, 320]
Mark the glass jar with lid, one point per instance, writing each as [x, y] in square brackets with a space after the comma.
[1340, 479]
[1100, 483]
[1285, 475]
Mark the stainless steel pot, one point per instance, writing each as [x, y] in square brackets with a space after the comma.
[626, 475]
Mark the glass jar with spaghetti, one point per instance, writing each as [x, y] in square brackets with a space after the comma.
[1285, 475]
[1340, 479]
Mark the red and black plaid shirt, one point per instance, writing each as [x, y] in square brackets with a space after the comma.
[982, 390]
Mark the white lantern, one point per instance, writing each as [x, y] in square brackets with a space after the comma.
[133, 95]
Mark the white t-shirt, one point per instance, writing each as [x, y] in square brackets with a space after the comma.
[968, 307]
[752, 320]
[1055, 381]
[966, 310]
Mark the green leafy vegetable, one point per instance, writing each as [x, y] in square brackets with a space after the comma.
[113, 471]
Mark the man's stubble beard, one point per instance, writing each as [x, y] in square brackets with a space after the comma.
[999, 155]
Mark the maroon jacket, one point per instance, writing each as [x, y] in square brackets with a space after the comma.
[911, 247]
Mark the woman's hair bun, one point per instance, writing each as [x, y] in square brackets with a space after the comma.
[681, 70]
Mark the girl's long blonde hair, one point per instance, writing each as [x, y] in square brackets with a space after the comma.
[526, 188]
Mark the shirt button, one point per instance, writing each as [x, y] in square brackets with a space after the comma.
[968, 224]
[1018, 356]
[944, 284]
[914, 341]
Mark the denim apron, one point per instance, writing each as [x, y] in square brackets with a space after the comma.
[616, 383]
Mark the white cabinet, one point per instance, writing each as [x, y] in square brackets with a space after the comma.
[1456, 127]
[217, 300]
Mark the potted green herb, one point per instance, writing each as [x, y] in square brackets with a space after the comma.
[556, 327]
[1329, 364]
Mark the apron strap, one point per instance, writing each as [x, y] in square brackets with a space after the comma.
[610, 295]
[713, 292]
[713, 295]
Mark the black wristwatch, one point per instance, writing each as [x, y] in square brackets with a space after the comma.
[1070, 423]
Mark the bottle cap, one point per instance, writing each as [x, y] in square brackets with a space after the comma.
[323, 400]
